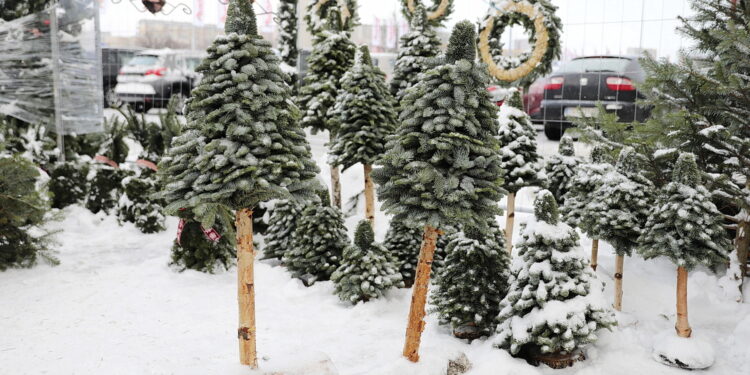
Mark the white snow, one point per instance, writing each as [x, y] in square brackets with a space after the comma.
[692, 353]
[113, 306]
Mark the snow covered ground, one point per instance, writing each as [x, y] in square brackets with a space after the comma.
[113, 306]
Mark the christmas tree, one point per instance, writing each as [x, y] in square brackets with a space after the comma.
[403, 243]
[588, 177]
[555, 303]
[13, 9]
[561, 168]
[366, 272]
[68, 182]
[318, 10]
[318, 241]
[436, 13]
[282, 223]
[416, 49]
[194, 250]
[136, 204]
[365, 116]
[288, 32]
[473, 282]
[685, 227]
[520, 161]
[250, 147]
[332, 55]
[105, 180]
[442, 166]
[618, 215]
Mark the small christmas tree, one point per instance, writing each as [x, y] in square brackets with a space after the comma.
[137, 206]
[623, 203]
[366, 271]
[436, 13]
[520, 161]
[332, 55]
[403, 243]
[685, 227]
[68, 182]
[555, 303]
[195, 251]
[318, 241]
[105, 181]
[282, 223]
[416, 49]
[473, 282]
[249, 147]
[442, 166]
[365, 114]
[588, 177]
[288, 32]
[561, 168]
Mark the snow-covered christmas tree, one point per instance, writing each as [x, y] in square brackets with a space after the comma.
[367, 271]
[522, 165]
[105, 185]
[416, 49]
[403, 242]
[555, 303]
[365, 117]
[318, 10]
[561, 168]
[136, 205]
[318, 240]
[193, 249]
[473, 281]
[281, 226]
[249, 147]
[442, 166]
[288, 32]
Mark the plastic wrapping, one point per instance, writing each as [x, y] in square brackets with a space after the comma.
[50, 68]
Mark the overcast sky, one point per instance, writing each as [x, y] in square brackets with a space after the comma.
[589, 26]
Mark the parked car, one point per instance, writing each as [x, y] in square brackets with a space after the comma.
[112, 61]
[577, 86]
[532, 100]
[152, 77]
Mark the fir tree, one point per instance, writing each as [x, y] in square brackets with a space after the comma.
[365, 116]
[288, 32]
[197, 252]
[13, 9]
[561, 168]
[403, 242]
[473, 282]
[366, 272]
[417, 49]
[318, 241]
[442, 166]
[137, 206]
[68, 182]
[282, 223]
[555, 303]
[105, 187]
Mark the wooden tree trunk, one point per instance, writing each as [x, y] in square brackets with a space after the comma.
[682, 327]
[619, 263]
[742, 243]
[594, 253]
[416, 322]
[246, 287]
[369, 196]
[509, 219]
[335, 186]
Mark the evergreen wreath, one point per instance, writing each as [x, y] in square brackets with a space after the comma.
[317, 11]
[436, 13]
[539, 19]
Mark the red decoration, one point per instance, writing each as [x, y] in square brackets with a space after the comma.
[106, 160]
[147, 164]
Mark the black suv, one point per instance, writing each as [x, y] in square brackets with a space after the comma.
[577, 86]
[112, 60]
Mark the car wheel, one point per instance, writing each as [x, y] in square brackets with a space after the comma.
[553, 133]
[110, 98]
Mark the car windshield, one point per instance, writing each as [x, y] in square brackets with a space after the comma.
[144, 60]
[595, 64]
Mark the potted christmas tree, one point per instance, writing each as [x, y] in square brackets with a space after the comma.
[442, 166]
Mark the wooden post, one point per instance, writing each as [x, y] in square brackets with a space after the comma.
[416, 322]
[369, 196]
[246, 287]
[619, 263]
[335, 186]
[509, 219]
[682, 327]
[594, 253]
[742, 243]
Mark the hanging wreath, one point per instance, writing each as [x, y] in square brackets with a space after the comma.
[436, 13]
[317, 11]
[539, 19]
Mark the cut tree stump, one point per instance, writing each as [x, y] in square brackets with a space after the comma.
[619, 263]
[369, 196]
[509, 219]
[335, 187]
[557, 360]
[416, 322]
[683, 326]
[594, 253]
[246, 287]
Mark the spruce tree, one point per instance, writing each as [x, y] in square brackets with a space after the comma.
[281, 226]
[442, 166]
[473, 282]
[105, 181]
[13, 9]
[555, 303]
[521, 164]
[366, 271]
[561, 168]
[416, 50]
[250, 147]
[403, 243]
[137, 206]
[68, 182]
[195, 251]
[365, 116]
[288, 32]
[318, 240]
